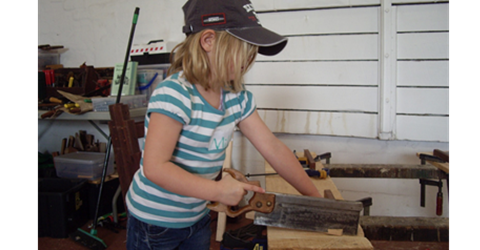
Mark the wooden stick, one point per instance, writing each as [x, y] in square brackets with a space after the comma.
[222, 217]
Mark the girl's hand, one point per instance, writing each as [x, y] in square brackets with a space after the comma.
[232, 191]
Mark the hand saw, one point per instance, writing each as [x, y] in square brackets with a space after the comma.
[296, 211]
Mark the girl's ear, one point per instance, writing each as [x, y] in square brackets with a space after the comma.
[207, 40]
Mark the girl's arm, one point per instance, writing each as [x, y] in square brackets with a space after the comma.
[162, 136]
[277, 154]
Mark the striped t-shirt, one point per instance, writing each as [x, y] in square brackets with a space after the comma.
[200, 149]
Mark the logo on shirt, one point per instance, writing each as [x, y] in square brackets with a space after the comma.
[221, 137]
[220, 143]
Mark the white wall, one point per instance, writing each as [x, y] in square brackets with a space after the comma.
[333, 89]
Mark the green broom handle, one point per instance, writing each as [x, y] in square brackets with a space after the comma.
[93, 231]
[132, 31]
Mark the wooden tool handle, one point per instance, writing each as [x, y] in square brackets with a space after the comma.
[260, 202]
[47, 114]
[310, 160]
[439, 204]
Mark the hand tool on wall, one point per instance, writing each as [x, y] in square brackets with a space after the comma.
[91, 240]
[296, 211]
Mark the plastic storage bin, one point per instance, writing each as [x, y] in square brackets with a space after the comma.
[62, 206]
[47, 58]
[82, 165]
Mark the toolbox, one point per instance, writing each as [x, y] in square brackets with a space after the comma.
[83, 81]
[82, 165]
[155, 52]
[62, 206]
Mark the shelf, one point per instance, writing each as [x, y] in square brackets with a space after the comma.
[97, 116]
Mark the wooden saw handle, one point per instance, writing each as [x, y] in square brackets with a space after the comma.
[260, 202]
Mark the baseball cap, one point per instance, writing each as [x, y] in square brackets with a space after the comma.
[237, 17]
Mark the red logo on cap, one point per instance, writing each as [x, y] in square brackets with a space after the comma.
[213, 19]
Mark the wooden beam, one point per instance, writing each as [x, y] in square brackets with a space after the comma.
[222, 217]
[385, 171]
[286, 239]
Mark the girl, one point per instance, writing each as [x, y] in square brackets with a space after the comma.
[190, 120]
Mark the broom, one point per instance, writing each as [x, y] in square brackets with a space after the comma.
[91, 240]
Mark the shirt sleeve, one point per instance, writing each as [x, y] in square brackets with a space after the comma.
[248, 104]
[172, 99]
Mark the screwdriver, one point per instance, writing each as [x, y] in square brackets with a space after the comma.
[322, 174]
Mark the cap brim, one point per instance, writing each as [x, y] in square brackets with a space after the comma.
[270, 43]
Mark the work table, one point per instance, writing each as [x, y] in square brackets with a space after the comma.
[94, 116]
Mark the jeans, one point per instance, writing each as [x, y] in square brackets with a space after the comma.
[141, 236]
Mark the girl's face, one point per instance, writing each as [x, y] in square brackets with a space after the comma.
[228, 59]
[231, 67]
[231, 71]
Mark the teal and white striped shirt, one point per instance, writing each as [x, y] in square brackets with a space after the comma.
[200, 149]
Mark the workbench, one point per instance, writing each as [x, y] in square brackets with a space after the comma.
[137, 113]
[407, 171]
[283, 239]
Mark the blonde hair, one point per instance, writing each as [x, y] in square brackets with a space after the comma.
[190, 57]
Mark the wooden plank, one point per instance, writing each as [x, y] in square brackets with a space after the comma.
[328, 73]
[222, 217]
[442, 166]
[422, 128]
[428, 17]
[283, 239]
[422, 101]
[415, 1]
[362, 99]
[125, 144]
[400, 228]
[422, 46]
[269, 5]
[423, 73]
[406, 171]
[322, 21]
[325, 123]
[445, 167]
[334, 47]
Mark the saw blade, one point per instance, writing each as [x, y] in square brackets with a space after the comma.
[312, 214]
